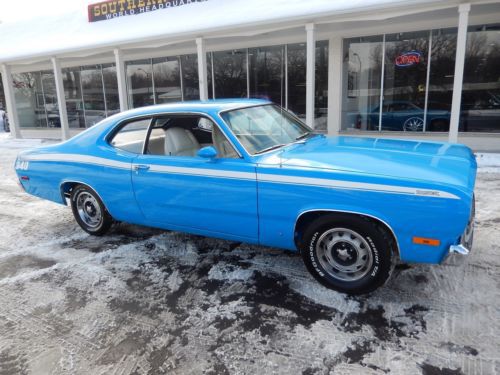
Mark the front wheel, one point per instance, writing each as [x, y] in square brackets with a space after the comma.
[348, 253]
[89, 211]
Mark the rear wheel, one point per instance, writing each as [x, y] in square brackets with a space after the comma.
[348, 253]
[89, 211]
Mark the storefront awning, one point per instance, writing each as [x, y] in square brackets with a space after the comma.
[72, 33]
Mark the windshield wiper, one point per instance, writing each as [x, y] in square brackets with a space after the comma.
[270, 148]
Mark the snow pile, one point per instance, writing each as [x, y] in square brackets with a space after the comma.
[488, 162]
[6, 141]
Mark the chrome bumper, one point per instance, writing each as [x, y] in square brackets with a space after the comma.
[467, 237]
[458, 249]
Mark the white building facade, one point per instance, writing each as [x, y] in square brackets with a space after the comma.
[420, 69]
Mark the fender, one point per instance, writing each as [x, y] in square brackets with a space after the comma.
[351, 212]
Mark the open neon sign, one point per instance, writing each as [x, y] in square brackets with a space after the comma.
[408, 59]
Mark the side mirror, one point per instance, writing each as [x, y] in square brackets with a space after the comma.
[208, 152]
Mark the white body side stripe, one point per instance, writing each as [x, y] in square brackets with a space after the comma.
[216, 173]
[263, 177]
[342, 184]
[78, 158]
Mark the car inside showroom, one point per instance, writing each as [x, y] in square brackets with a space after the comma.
[249, 187]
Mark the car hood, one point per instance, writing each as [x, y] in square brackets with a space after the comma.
[430, 162]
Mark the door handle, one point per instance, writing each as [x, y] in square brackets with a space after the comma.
[140, 167]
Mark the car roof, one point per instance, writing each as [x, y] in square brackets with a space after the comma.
[212, 105]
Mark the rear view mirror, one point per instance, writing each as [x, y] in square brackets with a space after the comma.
[208, 152]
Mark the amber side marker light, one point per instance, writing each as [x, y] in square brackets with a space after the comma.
[426, 241]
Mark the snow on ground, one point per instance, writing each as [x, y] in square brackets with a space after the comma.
[143, 300]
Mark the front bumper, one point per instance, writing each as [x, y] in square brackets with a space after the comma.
[464, 246]
[458, 249]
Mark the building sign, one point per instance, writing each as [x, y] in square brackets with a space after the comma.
[107, 10]
[408, 59]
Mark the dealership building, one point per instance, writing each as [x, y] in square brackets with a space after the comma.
[422, 69]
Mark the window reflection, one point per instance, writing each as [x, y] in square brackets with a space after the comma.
[480, 110]
[110, 83]
[73, 94]
[189, 70]
[29, 99]
[321, 87]
[167, 80]
[405, 78]
[267, 73]
[2, 96]
[140, 83]
[296, 69]
[440, 91]
[230, 73]
[361, 76]
[50, 99]
[94, 104]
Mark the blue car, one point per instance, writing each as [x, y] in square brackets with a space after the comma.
[249, 171]
[407, 116]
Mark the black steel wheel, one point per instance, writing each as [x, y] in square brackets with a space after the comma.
[89, 211]
[348, 253]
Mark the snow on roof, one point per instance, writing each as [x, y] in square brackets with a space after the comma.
[61, 33]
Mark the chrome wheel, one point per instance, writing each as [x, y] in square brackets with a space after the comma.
[88, 209]
[344, 254]
[413, 124]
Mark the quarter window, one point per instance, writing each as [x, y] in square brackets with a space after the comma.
[131, 137]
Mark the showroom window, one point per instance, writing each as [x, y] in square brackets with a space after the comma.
[480, 110]
[321, 87]
[189, 77]
[361, 76]
[440, 89]
[162, 80]
[91, 94]
[36, 99]
[415, 85]
[167, 81]
[140, 83]
[276, 73]
[296, 79]
[2, 95]
[267, 72]
[229, 73]
[94, 103]
[72, 83]
[110, 88]
[404, 85]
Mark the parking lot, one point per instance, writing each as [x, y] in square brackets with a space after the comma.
[144, 300]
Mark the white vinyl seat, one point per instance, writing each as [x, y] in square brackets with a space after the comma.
[180, 142]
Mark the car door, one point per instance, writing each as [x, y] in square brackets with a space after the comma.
[181, 190]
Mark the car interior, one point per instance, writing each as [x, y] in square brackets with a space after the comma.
[185, 136]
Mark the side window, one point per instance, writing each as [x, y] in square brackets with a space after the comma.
[131, 137]
[184, 135]
[224, 148]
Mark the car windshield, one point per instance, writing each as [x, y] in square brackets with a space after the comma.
[266, 127]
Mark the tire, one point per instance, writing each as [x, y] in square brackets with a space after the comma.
[413, 124]
[358, 245]
[89, 211]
